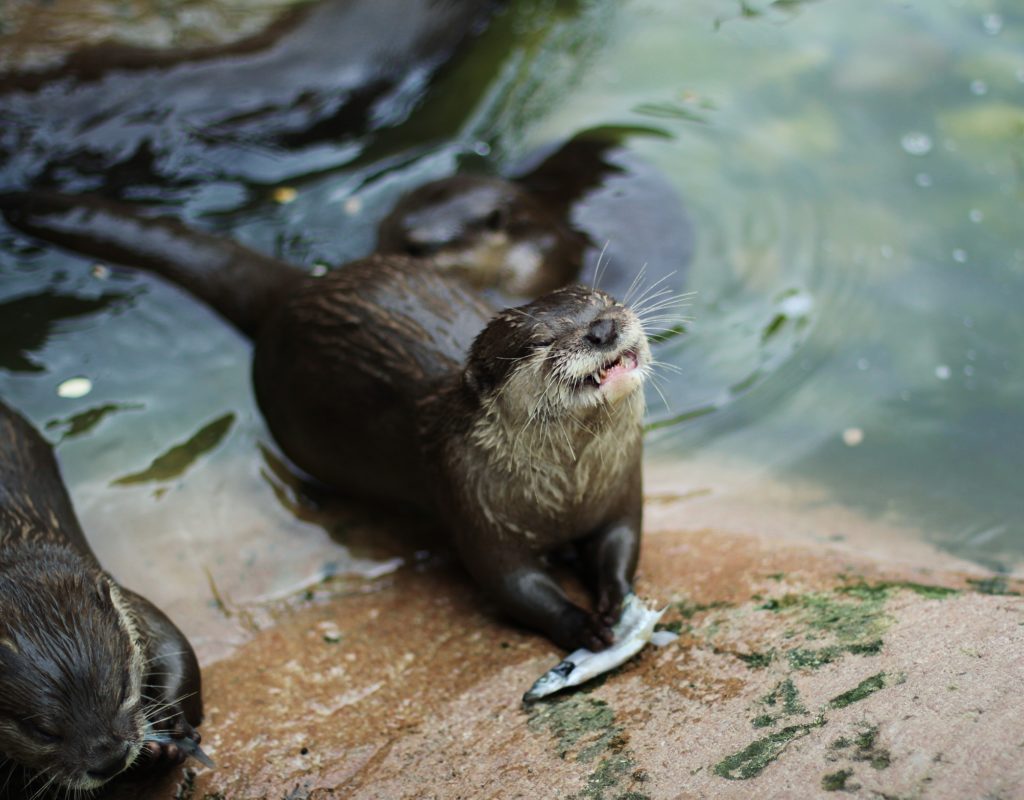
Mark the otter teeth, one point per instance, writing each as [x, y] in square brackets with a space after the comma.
[626, 361]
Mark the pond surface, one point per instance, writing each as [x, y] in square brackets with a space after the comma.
[853, 174]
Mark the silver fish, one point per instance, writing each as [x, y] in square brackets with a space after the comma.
[633, 630]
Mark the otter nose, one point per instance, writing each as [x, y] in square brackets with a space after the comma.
[113, 765]
[602, 332]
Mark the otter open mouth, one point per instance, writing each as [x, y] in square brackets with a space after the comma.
[620, 365]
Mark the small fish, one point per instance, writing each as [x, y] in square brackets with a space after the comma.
[189, 746]
[633, 630]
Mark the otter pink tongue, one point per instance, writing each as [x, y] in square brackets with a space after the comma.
[625, 363]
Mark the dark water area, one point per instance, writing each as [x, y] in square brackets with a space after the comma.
[839, 183]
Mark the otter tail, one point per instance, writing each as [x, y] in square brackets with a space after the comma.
[240, 284]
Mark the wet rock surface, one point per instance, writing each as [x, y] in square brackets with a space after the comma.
[800, 670]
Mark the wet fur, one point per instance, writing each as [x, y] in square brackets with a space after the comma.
[77, 651]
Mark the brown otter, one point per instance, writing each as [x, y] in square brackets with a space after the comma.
[587, 202]
[388, 379]
[488, 231]
[93, 677]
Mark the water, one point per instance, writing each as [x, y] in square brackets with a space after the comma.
[854, 176]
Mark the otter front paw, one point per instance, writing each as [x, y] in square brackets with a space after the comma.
[172, 747]
[609, 603]
[580, 629]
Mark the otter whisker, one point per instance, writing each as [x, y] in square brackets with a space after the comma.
[638, 280]
[651, 296]
[598, 271]
[661, 394]
[162, 656]
[667, 365]
[645, 296]
[662, 301]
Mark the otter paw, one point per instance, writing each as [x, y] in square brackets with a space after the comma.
[172, 747]
[584, 630]
[609, 605]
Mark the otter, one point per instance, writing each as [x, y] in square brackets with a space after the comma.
[586, 203]
[93, 677]
[487, 231]
[520, 432]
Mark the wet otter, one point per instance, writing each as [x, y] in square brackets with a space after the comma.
[93, 677]
[488, 231]
[560, 211]
[390, 380]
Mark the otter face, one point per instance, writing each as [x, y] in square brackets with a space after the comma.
[70, 674]
[486, 230]
[574, 349]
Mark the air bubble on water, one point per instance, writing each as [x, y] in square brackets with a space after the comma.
[960, 256]
[975, 215]
[853, 437]
[796, 305]
[100, 271]
[942, 372]
[319, 270]
[863, 364]
[886, 251]
[992, 23]
[968, 370]
[979, 87]
[916, 143]
[923, 179]
[74, 387]
[353, 205]
[482, 149]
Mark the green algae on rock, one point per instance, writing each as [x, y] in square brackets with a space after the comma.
[862, 747]
[865, 688]
[836, 781]
[588, 727]
[752, 759]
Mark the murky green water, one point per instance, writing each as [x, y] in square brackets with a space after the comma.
[854, 175]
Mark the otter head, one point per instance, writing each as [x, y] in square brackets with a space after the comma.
[566, 355]
[71, 671]
[488, 231]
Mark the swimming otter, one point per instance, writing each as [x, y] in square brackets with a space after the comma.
[564, 210]
[388, 379]
[93, 677]
[488, 231]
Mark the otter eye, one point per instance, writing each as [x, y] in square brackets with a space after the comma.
[495, 221]
[40, 733]
[421, 249]
[543, 343]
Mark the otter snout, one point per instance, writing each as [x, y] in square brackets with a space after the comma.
[109, 759]
[603, 333]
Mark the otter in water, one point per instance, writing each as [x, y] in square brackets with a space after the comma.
[386, 378]
[93, 678]
[488, 231]
[587, 202]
